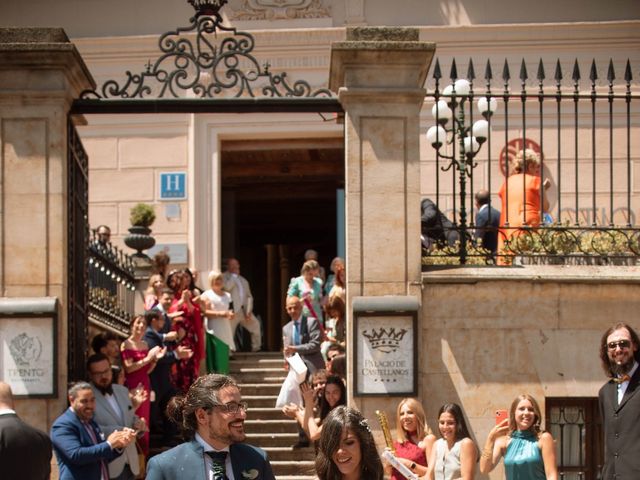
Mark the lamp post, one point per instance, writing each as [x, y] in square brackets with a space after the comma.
[470, 139]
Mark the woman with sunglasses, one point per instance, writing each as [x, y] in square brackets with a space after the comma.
[454, 455]
[529, 453]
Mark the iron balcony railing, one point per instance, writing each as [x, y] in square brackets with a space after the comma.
[584, 132]
[111, 286]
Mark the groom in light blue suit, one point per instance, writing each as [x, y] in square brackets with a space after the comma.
[212, 416]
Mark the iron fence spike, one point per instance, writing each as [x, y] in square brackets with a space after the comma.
[506, 76]
[523, 71]
[575, 76]
[540, 76]
[471, 74]
[627, 72]
[593, 74]
[436, 70]
[488, 73]
[558, 74]
[454, 71]
[611, 74]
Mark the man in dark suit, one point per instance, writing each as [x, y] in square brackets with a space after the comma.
[25, 452]
[114, 411]
[619, 402]
[79, 444]
[211, 416]
[487, 221]
[435, 227]
[161, 374]
[302, 335]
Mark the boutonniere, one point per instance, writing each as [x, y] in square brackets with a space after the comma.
[251, 474]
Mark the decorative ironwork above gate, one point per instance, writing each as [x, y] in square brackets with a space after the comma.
[217, 63]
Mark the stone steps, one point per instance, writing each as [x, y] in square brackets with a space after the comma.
[260, 376]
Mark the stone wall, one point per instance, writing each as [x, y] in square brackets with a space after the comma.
[490, 334]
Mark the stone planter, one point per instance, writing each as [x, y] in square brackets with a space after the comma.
[139, 239]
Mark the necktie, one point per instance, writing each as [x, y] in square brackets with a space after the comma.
[103, 468]
[622, 379]
[296, 333]
[218, 459]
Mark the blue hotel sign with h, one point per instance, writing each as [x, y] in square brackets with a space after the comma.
[173, 186]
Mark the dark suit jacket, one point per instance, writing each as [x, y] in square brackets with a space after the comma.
[487, 223]
[78, 457]
[435, 226]
[621, 424]
[25, 452]
[309, 348]
[186, 461]
[161, 375]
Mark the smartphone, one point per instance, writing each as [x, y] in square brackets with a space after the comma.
[501, 415]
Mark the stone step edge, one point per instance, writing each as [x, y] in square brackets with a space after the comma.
[240, 371]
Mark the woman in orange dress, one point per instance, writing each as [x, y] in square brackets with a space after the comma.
[520, 195]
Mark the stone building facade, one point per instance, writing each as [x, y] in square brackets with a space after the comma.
[486, 335]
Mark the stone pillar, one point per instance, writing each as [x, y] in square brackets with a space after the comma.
[378, 74]
[41, 73]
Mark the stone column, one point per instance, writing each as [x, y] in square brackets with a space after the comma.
[41, 73]
[378, 74]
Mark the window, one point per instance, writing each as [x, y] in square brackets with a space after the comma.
[576, 427]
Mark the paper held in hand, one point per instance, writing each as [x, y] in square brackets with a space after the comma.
[400, 467]
[290, 391]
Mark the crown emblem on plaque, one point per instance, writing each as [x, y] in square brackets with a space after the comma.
[207, 7]
[386, 340]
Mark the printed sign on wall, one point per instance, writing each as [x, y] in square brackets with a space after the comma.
[173, 185]
[385, 354]
[27, 361]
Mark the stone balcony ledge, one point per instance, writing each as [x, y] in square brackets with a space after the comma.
[534, 273]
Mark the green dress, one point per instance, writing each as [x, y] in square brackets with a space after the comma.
[523, 459]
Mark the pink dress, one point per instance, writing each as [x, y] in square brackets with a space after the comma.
[131, 381]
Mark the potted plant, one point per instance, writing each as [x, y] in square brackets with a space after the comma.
[142, 217]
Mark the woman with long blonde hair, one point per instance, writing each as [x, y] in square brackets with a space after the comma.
[414, 439]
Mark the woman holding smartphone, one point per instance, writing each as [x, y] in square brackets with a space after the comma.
[529, 453]
[454, 455]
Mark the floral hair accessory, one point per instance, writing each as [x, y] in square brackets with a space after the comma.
[364, 424]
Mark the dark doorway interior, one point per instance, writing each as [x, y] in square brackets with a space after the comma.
[279, 199]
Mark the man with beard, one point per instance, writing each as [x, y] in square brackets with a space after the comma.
[211, 415]
[620, 403]
[114, 412]
[79, 444]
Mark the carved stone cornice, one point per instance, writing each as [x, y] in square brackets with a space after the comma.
[279, 10]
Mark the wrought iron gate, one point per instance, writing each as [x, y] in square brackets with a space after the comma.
[77, 211]
[207, 60]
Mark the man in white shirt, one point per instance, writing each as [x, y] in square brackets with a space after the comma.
[238, 288]
[619, 402]
[212, 416]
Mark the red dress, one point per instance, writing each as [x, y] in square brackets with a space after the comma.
[410, 451]
[132, 380]
[187, 369]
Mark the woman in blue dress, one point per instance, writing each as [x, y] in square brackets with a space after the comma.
[529, 453]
